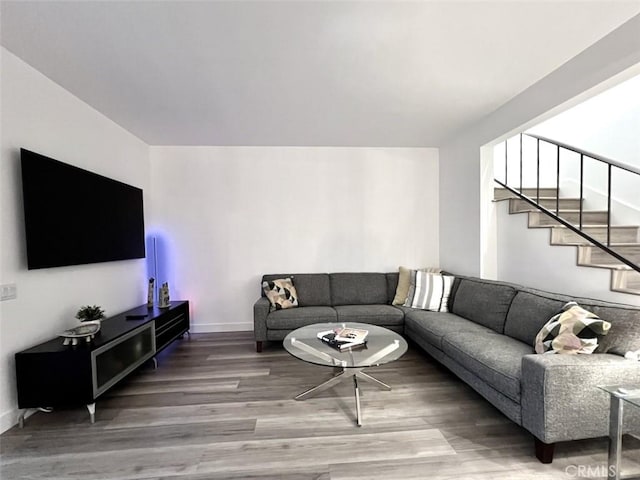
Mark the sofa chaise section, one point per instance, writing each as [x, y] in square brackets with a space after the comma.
[487, 340]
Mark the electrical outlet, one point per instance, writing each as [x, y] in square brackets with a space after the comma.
[8, 291]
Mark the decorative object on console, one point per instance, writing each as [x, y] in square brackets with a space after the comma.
[281, 293]
[164, 296]
[89, 313]
[573, 330]
[429, 291]
[152, 283]
[86, 331]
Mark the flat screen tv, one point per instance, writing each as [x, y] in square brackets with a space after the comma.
[74, 217]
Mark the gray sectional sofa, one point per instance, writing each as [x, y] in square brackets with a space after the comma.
[487, 340]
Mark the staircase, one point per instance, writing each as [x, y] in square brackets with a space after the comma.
[623, 239]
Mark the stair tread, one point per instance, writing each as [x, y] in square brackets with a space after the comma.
[633, 291]
[611, 266]
[577, 210]
[622, 266]
[574, 224]
[599, 226]
[578, 244]
[621, 244]
[570, 210]
[573, 199]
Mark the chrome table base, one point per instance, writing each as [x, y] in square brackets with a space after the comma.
[345, 375]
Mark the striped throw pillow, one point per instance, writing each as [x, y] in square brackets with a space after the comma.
[430, 291]
[405, 277]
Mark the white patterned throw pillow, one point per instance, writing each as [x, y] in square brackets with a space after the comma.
[573, 330]
[429, 291]
[281, 293]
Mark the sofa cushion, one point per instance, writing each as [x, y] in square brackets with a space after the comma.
[454, 289]
[494, 358]
[392, 285]
[624, 334]
[313, 288]
[299, 317]
[373, 314]
[528, 313]
[358, 288]
[281, 293]
[434, 326]
[483, 301]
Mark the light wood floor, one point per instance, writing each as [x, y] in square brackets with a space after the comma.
[215, 409]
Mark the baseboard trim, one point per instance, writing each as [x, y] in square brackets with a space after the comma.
[221, 327]
[10, 418]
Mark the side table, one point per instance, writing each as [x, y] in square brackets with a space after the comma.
[619, 396]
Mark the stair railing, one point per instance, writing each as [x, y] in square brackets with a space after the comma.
[611, 164]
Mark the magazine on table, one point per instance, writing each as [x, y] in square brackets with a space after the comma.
[344, 338]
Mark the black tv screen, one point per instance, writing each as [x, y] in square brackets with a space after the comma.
[73, 216]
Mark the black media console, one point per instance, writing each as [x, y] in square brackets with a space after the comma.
[52, 375]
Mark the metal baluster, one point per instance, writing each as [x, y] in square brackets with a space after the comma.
[506, 163]
[538, 170]
[609, 206]
[558, 180]
[520, 163]
[581, 189]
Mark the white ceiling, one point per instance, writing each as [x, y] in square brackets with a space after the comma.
[325, 73]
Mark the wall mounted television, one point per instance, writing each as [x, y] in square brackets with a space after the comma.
[74, 217]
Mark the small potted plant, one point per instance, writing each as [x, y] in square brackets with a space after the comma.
[90, 313]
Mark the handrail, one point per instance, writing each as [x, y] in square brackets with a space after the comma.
[615, 163]
[556, 216]
[569, 226]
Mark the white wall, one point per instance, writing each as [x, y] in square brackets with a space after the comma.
[606, 124]
[461, 232]
[236, 213]
[39, 115]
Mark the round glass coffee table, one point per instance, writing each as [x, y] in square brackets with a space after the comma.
[383, 346]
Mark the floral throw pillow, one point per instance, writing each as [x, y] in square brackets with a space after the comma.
[573, 330]
[281, 293]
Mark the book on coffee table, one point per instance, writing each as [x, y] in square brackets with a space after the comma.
[344, 338]
[352, 334]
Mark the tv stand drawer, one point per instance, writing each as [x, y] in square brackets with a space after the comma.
[171, 325]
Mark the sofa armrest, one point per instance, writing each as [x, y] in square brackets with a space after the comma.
[560, 400]
[260, 312]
